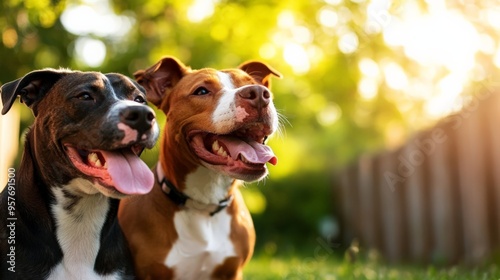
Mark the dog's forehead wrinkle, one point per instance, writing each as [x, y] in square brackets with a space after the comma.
[87, 82]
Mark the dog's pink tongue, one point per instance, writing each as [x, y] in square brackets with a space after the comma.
[129, 173]
[253, 151]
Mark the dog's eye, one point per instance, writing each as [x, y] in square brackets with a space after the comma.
[201, 91]
[140, 99]
[85, 96]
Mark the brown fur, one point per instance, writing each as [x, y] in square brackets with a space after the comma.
[148, 221]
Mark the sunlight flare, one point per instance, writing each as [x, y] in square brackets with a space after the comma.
[200, 10]
[92, 52]
[296, 56]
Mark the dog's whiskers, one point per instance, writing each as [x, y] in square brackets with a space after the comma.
[282, 122]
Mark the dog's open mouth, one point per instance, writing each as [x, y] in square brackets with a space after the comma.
[242, 149]
[121, 169]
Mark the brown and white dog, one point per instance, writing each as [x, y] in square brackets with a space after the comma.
[194, 224]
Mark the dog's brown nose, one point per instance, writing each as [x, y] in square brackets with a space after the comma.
[138, 117]
[257, 96]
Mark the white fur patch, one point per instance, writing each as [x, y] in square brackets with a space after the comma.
[78, 232]
[114, 111]
[207, 186]
[224, 114]
[204, 241]
[203, 244]
[225, 80]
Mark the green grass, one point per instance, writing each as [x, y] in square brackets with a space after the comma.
[326, 267]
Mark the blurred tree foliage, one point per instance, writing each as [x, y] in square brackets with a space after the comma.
[343, 93]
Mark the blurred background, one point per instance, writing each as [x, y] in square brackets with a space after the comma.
[385, 139]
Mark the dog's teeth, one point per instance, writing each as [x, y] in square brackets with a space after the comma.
[106, 165]
[215, 146]
[218, 149]
[94, 159]
[221, 152]
[244, 159]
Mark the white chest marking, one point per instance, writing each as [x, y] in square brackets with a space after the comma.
[78, 232]
[203, 244]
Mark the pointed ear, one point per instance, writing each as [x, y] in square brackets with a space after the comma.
[260, 71]
[159, 79]
[32, 88]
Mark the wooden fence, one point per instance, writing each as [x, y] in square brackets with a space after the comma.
[434, 200]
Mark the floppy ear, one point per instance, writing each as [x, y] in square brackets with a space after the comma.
[260, 71]
[31, 88]
[159, 79]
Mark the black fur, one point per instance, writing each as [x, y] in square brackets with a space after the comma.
[112, 247]
[36, 246]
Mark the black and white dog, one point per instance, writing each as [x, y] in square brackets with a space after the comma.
[80, 156]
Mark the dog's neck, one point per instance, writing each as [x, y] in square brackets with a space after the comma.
[207, 186]
[80, 219]
[88, 234]
[40, 170]
[33, 202]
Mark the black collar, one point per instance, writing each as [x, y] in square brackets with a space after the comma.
[182, 199]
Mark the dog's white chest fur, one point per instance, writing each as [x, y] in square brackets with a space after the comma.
[78, 232]
[204, 240]
[203, 243]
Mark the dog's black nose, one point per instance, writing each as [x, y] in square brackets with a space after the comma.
[138, 117]
[257, 96]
